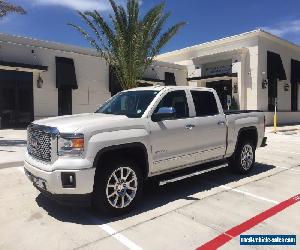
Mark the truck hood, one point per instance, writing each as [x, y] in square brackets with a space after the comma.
[81, 122]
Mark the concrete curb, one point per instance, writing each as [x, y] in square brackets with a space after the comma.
[11, 164]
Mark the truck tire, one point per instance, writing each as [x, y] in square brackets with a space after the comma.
[118, 186]
[243, 159]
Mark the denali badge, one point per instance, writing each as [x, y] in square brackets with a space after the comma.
[34, 143]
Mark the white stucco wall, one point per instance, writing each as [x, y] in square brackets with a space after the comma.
[91, 72]
[157, 71]
[241, 50]
[287, 52]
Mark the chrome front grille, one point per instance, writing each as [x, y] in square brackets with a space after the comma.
[39, 142]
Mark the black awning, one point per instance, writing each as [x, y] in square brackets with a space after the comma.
[23, 66]
[212, 76]
[170, 79]
[65, 73]
[275, 67]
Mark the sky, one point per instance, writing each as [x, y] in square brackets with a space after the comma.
[206, 19]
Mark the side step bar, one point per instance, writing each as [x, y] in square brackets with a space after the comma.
[199, 172]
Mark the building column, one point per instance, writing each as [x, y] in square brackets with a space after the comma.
[238, 66]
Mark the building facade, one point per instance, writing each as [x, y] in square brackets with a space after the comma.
[253, 71]
[41, 79]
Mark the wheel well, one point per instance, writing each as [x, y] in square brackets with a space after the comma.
[134, 151]
[249, 134]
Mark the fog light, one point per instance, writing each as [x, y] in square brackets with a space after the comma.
[68, 180]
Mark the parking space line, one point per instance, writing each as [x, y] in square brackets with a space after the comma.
[292, 169]
[281, 151]
[249, 194]
[118, 236]
[225, 237]
[21, 169]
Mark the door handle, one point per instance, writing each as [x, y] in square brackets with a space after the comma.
[221, 123]
[189, 126]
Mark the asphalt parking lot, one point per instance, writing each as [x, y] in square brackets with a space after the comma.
[182, 215]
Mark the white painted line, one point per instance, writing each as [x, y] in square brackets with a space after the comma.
[120, 237]
[249, 194]
[292, 169]
[281, 151]
[21, 169]
[112, 232]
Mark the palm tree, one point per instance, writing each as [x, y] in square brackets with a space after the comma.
[6, 8]
[128, 42]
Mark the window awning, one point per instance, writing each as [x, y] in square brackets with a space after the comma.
[21, 66]
[275, 67]
[65, 73]
[211, 76]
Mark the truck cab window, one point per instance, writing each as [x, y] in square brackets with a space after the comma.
[177, 100]
[205, 103]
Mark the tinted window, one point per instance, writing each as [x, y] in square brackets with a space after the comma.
[205, 103]
[177, 100]
[130, 103]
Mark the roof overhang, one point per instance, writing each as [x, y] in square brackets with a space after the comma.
[218, 77]
[22, 67]
[150, 82]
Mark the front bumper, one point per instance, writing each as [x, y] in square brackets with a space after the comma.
[50, 184]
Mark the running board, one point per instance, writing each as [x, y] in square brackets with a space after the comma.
[199, 172]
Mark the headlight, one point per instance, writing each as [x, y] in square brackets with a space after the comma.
[70, 144]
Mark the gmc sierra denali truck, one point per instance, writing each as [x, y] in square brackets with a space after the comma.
[104, 158]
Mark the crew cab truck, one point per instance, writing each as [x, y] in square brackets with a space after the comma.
[104, 158]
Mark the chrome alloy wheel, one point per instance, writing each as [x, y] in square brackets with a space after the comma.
[247, 157]
[121, 187]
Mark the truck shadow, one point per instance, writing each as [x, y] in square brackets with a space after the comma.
[13, 143]
[154, 196]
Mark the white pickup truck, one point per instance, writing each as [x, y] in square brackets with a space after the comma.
[104, 158]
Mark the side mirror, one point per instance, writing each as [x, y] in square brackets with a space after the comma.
[164, 113]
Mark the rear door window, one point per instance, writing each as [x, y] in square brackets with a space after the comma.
[205, 103]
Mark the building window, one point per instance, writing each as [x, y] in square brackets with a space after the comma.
[170, 79]
[272, 94]
[275, 72]
[295, 81]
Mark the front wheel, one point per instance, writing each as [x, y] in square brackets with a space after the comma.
[243, 159]
[118, 187]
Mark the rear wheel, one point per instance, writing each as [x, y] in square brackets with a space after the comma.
[243, 159]
[118, 187]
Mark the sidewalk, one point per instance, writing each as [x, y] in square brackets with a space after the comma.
[12, 147]
[284, 129]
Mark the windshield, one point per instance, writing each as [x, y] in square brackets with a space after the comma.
[130, 103]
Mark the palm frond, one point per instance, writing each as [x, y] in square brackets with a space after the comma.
[6, 8]
[128, 43]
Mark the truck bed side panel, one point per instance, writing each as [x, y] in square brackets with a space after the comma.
[239, 121]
